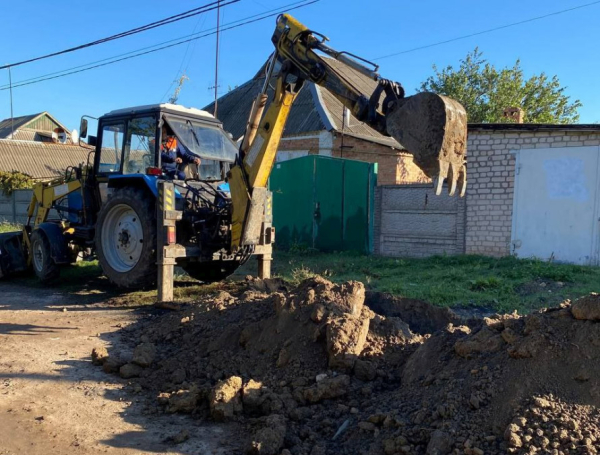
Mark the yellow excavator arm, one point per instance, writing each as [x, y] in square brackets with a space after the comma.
[431, 127]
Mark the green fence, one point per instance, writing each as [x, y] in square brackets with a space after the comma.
[324, 203]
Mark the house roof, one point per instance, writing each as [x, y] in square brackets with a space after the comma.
[6, 125]
[315, 109]
[28, 122]
[40, 159]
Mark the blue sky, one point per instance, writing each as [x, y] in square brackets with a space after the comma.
[565, 45]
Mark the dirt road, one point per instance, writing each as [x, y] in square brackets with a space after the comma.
[53, 401]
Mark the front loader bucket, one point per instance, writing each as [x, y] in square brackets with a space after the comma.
[433, 128]
[12, 258]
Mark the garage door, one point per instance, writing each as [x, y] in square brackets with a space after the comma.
[555, 211]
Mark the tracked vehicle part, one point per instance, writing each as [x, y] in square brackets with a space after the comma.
[433, 128]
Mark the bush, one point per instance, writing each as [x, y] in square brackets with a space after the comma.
[5, 226]
[14, 180]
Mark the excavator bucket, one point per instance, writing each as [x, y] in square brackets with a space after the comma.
[433, 128]
[12, 258]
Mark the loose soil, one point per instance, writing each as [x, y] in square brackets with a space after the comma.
[327, 368]
[54, 401]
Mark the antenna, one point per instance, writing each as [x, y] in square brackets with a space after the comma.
[175, 95]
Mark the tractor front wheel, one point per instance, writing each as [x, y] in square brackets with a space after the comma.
[126, 239]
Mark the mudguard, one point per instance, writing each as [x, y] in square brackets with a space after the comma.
[59, 248]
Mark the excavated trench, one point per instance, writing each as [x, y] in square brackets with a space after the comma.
[328, 368]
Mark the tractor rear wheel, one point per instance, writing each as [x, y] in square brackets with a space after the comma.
[210, 272]
[126, 239]
[41, 258]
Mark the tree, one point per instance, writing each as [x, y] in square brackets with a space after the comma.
[486, 91]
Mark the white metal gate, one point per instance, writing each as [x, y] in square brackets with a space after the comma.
[556, 208]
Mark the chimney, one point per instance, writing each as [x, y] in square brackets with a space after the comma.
[514, 113]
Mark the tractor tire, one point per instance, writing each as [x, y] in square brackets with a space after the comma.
[210, 272]
[126, 239]
[41, 258]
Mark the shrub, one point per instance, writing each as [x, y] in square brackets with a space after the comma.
[14, 180]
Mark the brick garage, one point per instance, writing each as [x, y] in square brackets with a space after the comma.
[411, 221]
[491, 159]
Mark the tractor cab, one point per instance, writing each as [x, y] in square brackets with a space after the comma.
[131, 143]
[134, 148]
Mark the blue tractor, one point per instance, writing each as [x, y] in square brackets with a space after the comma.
[108, 208]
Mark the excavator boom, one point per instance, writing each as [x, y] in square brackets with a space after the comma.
[431, 127]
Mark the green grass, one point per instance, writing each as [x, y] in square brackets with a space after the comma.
[9, 227]
[504, 284]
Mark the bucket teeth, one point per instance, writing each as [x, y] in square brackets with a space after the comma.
[433, 128]
[462, 181]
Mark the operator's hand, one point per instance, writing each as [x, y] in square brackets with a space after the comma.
[178, 160]
[197, 161]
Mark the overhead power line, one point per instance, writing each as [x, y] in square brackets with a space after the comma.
[168, 20]
[501, 27]
[160, 46]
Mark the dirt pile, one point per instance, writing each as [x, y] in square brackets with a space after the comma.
[315, 370]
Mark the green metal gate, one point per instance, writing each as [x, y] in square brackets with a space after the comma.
[324, 203]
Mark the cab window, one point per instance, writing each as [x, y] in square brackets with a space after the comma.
[140, 145]
[113, 136]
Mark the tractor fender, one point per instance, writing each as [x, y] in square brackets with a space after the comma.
[59, 247]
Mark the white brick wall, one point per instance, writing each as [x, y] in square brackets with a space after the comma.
[491, 177]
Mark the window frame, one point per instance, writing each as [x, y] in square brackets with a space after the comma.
[124, 120]
[128, 139]
[98, 157]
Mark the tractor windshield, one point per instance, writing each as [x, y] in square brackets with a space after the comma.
[204, 140]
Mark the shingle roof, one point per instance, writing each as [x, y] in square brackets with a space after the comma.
[315, 109]
[39, 159]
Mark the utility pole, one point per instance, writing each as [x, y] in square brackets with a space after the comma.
[12, 117]
[217, 57]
